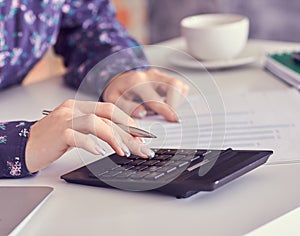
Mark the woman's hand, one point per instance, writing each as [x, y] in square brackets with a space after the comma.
[70, 124]
[158, 92]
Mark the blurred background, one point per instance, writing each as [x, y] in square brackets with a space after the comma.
[153, 21]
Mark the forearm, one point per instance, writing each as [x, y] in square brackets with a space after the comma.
[92, 36]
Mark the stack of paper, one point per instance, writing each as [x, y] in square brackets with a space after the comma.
[284, 67]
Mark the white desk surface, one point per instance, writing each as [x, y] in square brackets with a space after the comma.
[288, 224]
[235, 209]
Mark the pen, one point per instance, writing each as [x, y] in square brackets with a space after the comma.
[136, 132]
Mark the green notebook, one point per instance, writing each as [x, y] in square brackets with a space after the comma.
[284, 67]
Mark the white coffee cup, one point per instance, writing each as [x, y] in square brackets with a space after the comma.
[215, 36]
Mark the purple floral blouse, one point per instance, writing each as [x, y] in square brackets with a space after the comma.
[84, 32]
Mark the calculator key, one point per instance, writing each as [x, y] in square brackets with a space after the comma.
[186, 151]
[153, 168]
[124, 167]
[120, 160]
[181, 163]
[171, 151]
[138, 162]
[162, 157]
[161, 151]
[163, 163]
[105, 176]
[200, 152]
[184, 158]
[111, 173]
[167, 169]
[154, 176]
[151, 162]
[139, 168]
[198, 165]
[101, 173]
[171, 169]
[133, 157]
[207, 152]
[178, 157]
[139, 175]
[115, 173]
[116, 167]
[197, 157]
[125, 174]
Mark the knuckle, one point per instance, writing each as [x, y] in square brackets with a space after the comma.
[176, 83]
[137, 77]
[91, 118]
[109, 108]
[65, 113]
[68, 103]
[107, 121]
[62, 114]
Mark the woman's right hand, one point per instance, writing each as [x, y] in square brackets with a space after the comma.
[70, 124]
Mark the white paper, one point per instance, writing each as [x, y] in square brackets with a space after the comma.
[268, 121]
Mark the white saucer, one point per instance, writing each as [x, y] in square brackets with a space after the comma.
[250, 54]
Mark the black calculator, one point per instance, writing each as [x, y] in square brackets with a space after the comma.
[176, 172]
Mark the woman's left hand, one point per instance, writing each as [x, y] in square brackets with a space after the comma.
[135, 92]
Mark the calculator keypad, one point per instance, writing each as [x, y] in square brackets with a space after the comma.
[166, 164]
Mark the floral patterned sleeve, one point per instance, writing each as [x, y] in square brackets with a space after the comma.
[13, 139]
[90, 33]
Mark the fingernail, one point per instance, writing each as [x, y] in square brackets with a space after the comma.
[147, 151]
[176, 117]
[126, 150]
[142, 113]
[122, 146]
[100, 150]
